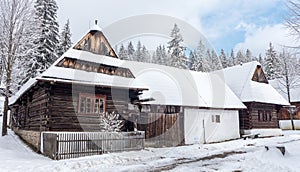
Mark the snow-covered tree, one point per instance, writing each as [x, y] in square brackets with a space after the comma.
[123, 53]
[240, 57]
[200, 52]
[232, 60]
[15, 37]
[248, 56]
[47, 40]
[271, 65]
[193, 60]
[288, 76]
[145, 56]
[176, 49]
[138, 52]
[223, 58]
[215, 61]
[130, 49]
[160, 55]
[110, 122]
[65, 39]
[207, 62]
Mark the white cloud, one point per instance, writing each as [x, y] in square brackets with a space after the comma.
[213, 18]
[258, 40]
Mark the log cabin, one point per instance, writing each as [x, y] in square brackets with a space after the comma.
[173, 106]
[263, 102]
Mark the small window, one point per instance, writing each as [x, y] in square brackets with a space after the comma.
[268, 115]
[91, 104]
[216, 118]
[260, 115]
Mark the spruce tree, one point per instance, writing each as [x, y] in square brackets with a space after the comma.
[200, 52]
[215, 61]
[145, 56]
[130, 50]
[138, 52]
[47, 39]
[176, 49]
[271, 63]
[260, 59]
[248, 56]
[207, 62]
[123, 53]
[65, 39]
[232, 60]
[160, 55]
[240, 57]
[193, 61]
[223, 59]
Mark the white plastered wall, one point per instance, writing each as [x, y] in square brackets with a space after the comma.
[200, 128]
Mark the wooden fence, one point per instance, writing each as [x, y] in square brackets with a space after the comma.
[64, 145]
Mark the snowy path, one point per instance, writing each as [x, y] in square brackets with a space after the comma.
[244, 155]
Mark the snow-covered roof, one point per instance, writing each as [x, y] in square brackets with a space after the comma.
[30, 83]
[294, 89]
[172, 86]
[239, 79]
[167, 85]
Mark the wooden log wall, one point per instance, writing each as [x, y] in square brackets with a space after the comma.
[244, 119]
[256, 123]
[162, 129]
[64, 107]
[31, 111]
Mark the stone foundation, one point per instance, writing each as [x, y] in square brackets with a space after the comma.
[33, 138]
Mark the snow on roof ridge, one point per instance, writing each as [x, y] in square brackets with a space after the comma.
[239, 79]
[96, 27]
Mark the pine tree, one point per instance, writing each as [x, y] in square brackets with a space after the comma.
[176, 49]
[240, 57]
[215, 61]
[260, 59]
[193, 61]
[47, 39]
[223, 59]
[145, 56]
[248, 56]
[232, 60]
[200, 52]
[271, 63]
[138, 52]
[130, 50]
[123, 53]
[160, 56]
[207, 62]
[65, 39]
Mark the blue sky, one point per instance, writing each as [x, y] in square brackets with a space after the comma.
[227, 24]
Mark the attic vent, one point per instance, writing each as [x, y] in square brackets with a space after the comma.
[68, 62]
[259, 75]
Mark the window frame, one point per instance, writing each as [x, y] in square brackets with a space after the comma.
[216, 118]
[93, 98]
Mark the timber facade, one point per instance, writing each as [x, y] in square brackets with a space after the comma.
[259, 115]
[56, 107]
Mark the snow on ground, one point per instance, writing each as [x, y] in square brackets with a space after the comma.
[243, 155]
